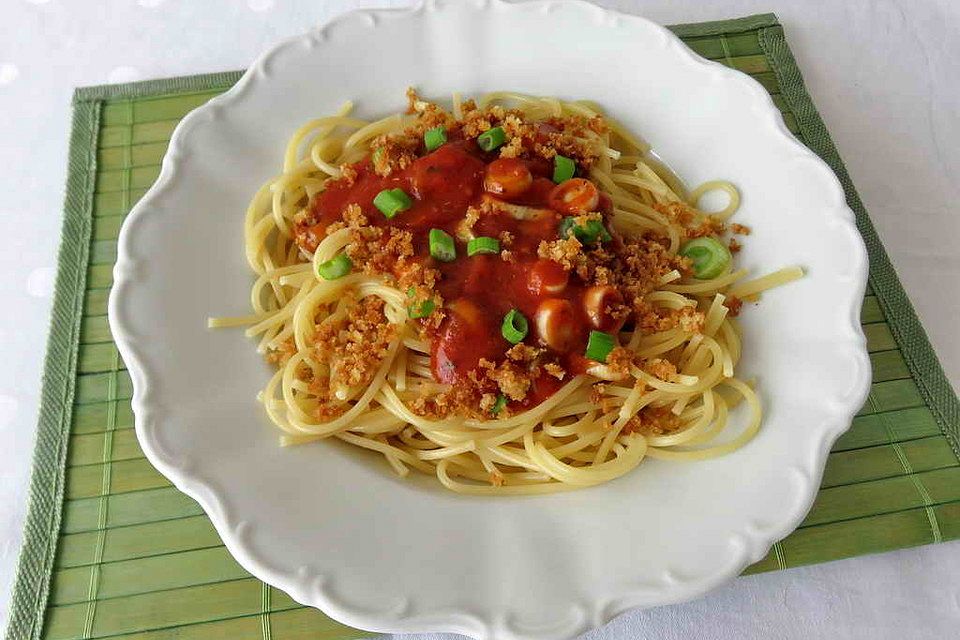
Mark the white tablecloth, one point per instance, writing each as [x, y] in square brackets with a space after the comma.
[882, 72]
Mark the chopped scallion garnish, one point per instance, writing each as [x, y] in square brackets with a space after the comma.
[588, 233]
[599, 345]
[483, 244]
[563, 168]
[390, 202]
[434, 138]
[441, 245]
[514, 327]
[499, 404]
[710, 257]
[336, 267]
[419, 309]
[491, 138]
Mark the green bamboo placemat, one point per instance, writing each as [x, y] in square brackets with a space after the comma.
[111, 549]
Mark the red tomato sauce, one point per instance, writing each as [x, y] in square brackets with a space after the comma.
[477, 290]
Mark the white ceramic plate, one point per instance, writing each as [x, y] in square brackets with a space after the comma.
[334, 528]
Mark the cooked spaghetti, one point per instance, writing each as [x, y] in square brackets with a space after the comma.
[513, 296]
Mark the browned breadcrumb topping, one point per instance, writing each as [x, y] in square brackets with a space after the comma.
[393, 152]
[465, 226]
[389, 252]
[734, 305]
[521, 352]
[709, 226]
[463, 400]
[487, 400]
[635, 267]
[349, 173]
[660, 368]
[378, 250]
[598, 396]
[694, 224]
[619, 361]
[282, 353]
[734, 245]
[328, 406]
[305, 231]
[598, 393]
[572, 136]
[653, 421]
[555, 370]
[512, 380]
[567, 252]
[476, 397]
[354, 344]
[652, 319]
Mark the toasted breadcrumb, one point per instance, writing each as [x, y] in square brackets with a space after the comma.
[353, 345]
[653, 421]
[734, 305]
[465, 226]
[555, 370]
[349, 173]
[521, 352]
[487, 401]
[512, 381]
[597, 393]
[282, 353]
[567, 252]
[619, 361]
[660, 368]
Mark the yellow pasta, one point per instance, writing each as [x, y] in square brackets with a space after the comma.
[582, 434]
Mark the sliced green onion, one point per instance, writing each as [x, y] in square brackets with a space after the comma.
[592, 231]
[419, 309]
[441, 246]
[483, 244]
[710, 256]
[336, 267]
[433, 138]
[599, 345]
[514, 327]
[491, 138]
[563, 168]
[390, 202]
[499, 404]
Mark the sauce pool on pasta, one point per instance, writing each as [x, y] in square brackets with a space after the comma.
[513, 296]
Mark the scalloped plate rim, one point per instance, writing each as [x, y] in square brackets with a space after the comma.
[304, 587]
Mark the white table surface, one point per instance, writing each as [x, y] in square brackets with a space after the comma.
[883, 75]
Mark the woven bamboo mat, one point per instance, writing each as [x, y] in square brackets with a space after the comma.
[113, 550]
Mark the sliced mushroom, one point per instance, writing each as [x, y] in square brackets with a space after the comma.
[518, 211]
[575, 196]
[556, 323]
[598, 302]
[547, 277]
[507, 177]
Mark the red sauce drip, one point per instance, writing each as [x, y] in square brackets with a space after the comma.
[478, 290]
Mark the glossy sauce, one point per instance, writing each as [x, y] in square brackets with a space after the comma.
[477, 290]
